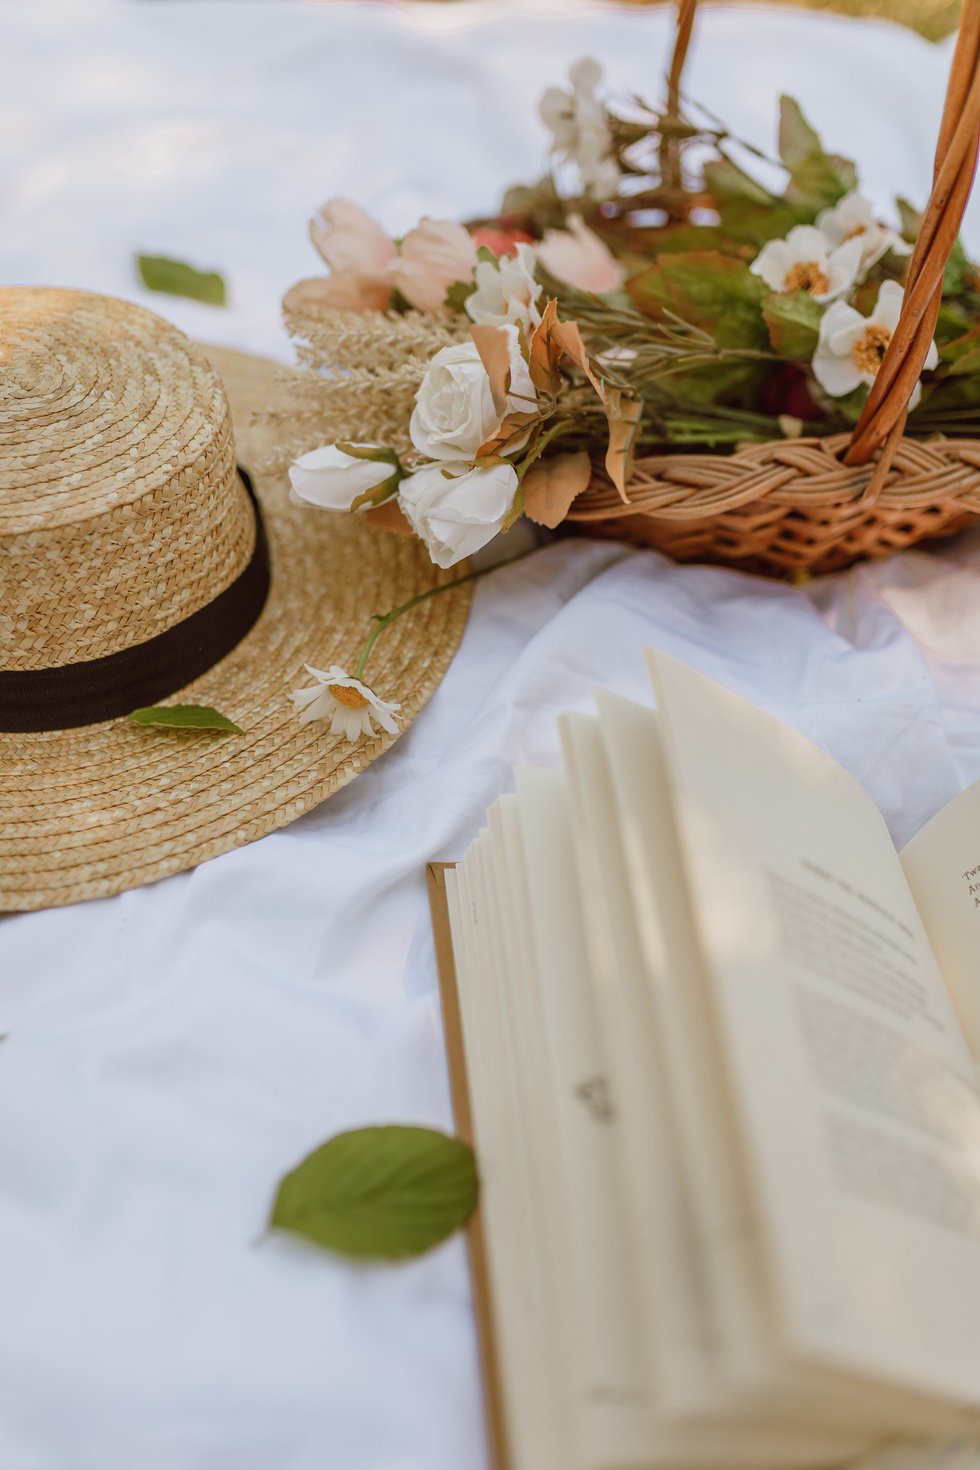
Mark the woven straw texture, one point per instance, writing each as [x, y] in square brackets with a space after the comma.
[91, 811]
[121, 512]
[788, 505]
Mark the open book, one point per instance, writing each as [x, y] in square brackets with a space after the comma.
[715, 1042]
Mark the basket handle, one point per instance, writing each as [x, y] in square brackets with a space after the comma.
[676, 199]
[883, 417]
[882, 420]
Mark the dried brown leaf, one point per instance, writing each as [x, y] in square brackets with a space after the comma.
[569, 340]
[544, 353]
[552, 484]
[388, 517]
[493, 345]
[623, 413]
[509, 436]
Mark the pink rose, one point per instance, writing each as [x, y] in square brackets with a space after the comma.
[350, 241]
[358, 252]
[579, 258]
[433, 256]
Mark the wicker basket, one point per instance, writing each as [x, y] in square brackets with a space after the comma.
[816, 505]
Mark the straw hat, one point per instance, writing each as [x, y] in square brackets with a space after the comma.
[134, 570]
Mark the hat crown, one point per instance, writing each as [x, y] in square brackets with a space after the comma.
[120, 509]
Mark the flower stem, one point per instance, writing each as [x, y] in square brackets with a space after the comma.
[385, 620]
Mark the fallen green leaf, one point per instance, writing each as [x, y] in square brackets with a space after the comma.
[185, 717]
[176, 278]
[379, 1193]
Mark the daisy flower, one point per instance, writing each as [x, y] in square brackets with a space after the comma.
[807, 261]
[853, 218]
[349, 705]
[851, 347]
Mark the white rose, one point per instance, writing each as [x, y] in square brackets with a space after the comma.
[506, 291]
[333, 479]
[454, 412]
[456, 509]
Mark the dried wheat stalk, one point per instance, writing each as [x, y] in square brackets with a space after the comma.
[358, 376]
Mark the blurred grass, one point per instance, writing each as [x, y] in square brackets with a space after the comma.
[931, 18]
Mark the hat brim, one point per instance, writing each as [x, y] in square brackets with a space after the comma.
[95, 810]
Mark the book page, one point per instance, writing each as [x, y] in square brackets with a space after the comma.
[670, 1281]
[831, 1013]
[528, 1320]
[942, 864]
[615, 1394]
[561, 1271]
[725, 1412]
[753, 1378]
[720, 1230]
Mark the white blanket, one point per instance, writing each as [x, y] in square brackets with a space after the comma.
[171, 1052]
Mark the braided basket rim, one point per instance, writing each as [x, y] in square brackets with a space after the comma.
[799, 474]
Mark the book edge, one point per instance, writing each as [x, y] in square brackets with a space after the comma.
[493, 1396]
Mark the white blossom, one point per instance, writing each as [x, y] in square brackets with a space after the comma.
[506, 291]
[349, 705]
[580, 129]
[853, 218]
[456, 508]
[851, 347]
[807, 261]
[454, 413]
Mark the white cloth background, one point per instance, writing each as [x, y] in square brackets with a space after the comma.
[169, 1053]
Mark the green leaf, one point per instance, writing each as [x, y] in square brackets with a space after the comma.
[952, 323]
[719, 294]
[727, 181]
[176, 278]
[967, 365]
[682, 238]
[708, 289]
[960, 275]
[793, 320]
[184, 717]
[816, 179]
[909, 220]
[851, 405]
[379, 1193]
[458, 295]
[960, 357]
[748, 213]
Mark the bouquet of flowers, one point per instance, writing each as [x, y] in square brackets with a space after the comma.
[663, 286]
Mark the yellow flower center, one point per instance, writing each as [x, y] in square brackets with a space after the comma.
[806, 275]
[853, 234]
[349, 698]
[870, 348]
